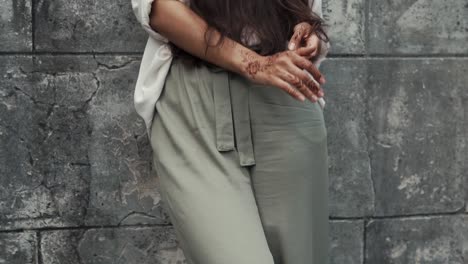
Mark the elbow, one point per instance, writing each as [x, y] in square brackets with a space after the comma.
[143, 10]
[159, 17]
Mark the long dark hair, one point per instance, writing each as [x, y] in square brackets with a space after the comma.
[272, 21]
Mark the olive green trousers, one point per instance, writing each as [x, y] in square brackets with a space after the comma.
[243, 169]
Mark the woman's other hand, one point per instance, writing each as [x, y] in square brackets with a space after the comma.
[285, 70]
[304, 36]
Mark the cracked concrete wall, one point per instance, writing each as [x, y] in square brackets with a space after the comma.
[76, 179]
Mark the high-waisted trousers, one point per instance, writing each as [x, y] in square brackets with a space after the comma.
[243, 169]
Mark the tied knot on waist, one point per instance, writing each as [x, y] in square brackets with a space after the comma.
[232, 114]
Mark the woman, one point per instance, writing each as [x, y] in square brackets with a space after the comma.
[240, 153]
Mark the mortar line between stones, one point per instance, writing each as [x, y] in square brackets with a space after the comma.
[364, 240]
[33, 25]
[401, 217]
[42, 229]
[38, 248]
[459, 212]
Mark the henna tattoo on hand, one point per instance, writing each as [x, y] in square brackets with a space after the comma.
[255, 65]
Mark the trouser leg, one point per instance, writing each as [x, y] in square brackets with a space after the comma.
[206, 193]
[290, 178]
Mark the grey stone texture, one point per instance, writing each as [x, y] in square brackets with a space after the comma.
[346, 241]
[418, 26]
[18, 247]
[77, 184]
[425, 239]
[15, 25]
[87, 25]
[351, 189]
[418, 133]
[143, 245]
[346, 20]
[74, 151]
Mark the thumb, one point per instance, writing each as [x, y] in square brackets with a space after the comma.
[296, 39]
[313, 41]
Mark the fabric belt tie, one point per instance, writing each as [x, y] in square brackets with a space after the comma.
[232, 115]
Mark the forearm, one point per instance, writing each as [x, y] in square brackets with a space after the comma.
[186, 29]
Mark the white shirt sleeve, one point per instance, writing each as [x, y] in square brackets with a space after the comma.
[316, 6]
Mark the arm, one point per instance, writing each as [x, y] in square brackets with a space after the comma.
[141, 9]
[186, 29]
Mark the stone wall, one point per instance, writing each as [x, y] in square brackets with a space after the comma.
[76, 179]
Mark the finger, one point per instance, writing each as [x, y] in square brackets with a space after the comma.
[317, 89]
[307, 65]
[283, 85]
[295, 41]
[312, 87]
[301, 31]
[313, 41]
[298, 83]
[321, 93]
[305, 51]
[301, 81]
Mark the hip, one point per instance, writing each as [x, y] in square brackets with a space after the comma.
[202, 91]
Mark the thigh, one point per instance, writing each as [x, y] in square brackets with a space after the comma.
[290, 178]
[206, 193]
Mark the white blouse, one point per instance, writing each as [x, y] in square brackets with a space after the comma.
[157, 58]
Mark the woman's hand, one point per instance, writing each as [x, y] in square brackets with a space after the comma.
[285, 71]
[304, 36]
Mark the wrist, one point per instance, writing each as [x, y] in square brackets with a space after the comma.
[248, 63]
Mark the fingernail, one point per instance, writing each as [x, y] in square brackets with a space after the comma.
[302, 98]
[322, 80]
[291, 46]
